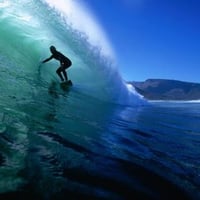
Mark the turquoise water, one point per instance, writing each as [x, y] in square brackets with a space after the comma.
[96, 140]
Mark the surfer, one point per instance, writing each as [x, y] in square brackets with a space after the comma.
[64, 62]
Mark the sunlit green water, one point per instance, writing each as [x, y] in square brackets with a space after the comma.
[96, 139]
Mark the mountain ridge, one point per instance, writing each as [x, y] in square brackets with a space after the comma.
[166, 89]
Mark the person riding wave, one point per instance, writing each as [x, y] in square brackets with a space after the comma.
[65, 63]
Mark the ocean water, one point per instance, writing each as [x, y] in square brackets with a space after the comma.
[98, 139]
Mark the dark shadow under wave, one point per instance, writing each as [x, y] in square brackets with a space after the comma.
[66, 143]
[142, 184]
[97, 177]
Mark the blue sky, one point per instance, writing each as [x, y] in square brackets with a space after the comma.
[152, 38]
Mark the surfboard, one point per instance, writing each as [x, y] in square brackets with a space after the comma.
[65, 85]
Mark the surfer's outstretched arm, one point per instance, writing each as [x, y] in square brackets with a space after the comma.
[46, 60]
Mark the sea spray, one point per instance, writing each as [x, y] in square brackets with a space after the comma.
[28, 29]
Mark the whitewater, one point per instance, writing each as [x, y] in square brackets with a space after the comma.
[98, 139]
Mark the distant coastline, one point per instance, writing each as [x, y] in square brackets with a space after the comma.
[165, 89]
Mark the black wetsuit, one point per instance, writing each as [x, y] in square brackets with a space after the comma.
[64, 63]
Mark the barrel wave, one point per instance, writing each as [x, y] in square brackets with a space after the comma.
[47, 133]
[28, 28]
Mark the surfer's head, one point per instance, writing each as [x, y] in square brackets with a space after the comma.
[52, 49]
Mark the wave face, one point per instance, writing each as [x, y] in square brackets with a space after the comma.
[28, 28]
[78, 142]
[34, 110]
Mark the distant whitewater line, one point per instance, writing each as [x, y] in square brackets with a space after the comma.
[176, 101]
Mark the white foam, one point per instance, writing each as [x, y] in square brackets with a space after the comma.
[82, 19]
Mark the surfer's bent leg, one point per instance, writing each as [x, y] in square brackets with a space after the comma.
[64, 67]
[58, 71]
[65, 75]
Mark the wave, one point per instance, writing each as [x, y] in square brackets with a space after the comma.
[29, 27]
